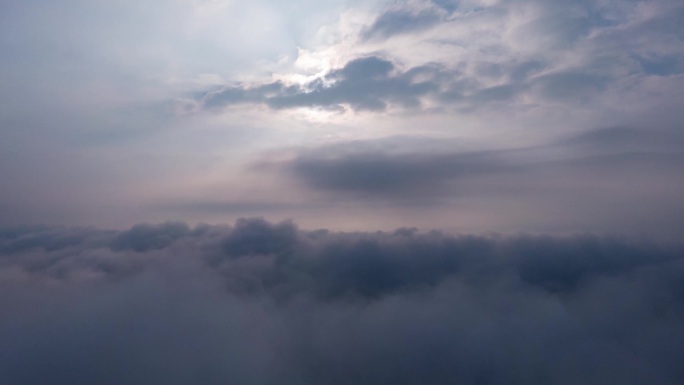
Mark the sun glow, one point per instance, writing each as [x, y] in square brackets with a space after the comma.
[317, 115]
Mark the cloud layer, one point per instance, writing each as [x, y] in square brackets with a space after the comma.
[262, 302]
[119, 114]
[548, 116]
[477, 54]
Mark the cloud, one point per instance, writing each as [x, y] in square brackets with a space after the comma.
[619, 179]
[145, 237]
[401, 21]
[368, 83]
[21, 239]
[374, 83]
[390, 175]
[258, 237]
[400, 168]
[267, 303]
[623, 139]
[487, 55]
[570, 86]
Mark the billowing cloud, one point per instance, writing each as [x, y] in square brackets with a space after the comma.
[267, 303]
[145, 237]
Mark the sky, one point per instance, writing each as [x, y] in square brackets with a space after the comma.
[471, 116]
[340, 192]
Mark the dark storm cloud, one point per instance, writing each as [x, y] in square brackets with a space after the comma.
[368, 83]
[266, 303]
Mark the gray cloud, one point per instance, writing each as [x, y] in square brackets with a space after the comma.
[145, 237]
[21, 239]
[661, 65]
[621, 139]
[381, 168]
[400, 21]
[368, 83]
[588, 33]
[449, 5]
[258, 237]
[345, 265]
[570, 86]
[387, 174]
[621, 179]
[267, 303]
[373, 83]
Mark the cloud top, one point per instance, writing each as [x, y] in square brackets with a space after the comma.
[262, 302]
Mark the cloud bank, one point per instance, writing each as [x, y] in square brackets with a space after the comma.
[268, 303]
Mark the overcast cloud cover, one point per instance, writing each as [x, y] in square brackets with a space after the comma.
[142, 143]
[266, 303]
